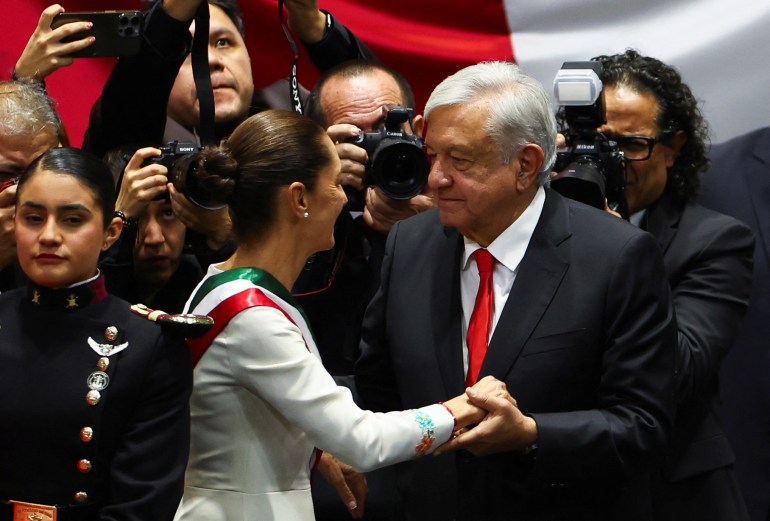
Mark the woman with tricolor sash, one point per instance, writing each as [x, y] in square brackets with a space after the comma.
[262, 402]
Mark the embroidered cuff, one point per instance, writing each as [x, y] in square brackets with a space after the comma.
[428, 429]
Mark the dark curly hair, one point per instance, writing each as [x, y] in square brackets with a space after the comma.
[678, 111]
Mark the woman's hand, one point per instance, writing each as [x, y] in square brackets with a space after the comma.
[350, 485]
[141, 184]
[45, 51]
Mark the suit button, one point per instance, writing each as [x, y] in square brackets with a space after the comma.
[84, 466]
[103, 363]
[86, 434]
[80, 497]
[93, 397]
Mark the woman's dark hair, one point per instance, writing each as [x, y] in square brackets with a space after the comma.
[86, 168]
[678, 111]
[269, 150]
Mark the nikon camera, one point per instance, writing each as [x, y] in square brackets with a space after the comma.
[591, 168]
[397, 163]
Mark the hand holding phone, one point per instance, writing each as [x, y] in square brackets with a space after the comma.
[45, 52]
[112, 33]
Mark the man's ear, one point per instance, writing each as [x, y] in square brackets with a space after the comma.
[530, 158]
[672, 147]
[418, 125]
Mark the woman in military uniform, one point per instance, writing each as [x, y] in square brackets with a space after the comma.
[93, 397]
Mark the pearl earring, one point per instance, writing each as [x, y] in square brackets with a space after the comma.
[305, 215]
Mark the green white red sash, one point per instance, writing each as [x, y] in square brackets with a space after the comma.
[224, 295]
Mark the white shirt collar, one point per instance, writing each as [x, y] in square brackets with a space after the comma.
[509, 247]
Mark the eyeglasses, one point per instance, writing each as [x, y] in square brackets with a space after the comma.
[639, 148]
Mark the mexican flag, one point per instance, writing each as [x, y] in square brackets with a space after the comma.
[721, 48]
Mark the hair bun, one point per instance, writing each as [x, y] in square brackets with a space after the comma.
[218, 171]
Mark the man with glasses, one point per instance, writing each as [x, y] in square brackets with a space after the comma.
[655, 119]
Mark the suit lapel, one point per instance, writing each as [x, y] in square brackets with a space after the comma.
[758, 181]
[446, 313]
[663, 221]
[540, 274]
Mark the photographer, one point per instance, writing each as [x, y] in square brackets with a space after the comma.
[147, 264]
[352, 100]
[133, 109]
[655, 119]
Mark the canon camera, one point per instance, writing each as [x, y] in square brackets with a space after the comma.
[397, 163]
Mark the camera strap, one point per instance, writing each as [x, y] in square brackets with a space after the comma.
[202, 75]
[294, 95]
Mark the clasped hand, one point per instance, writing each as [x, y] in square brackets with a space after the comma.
[489, 421]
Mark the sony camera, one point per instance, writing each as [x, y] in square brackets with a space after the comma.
[181, 159]
[397, 163]
[591, 168]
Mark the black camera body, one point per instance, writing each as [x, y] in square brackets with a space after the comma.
[397, 164]
[591, 169]
[181, 160]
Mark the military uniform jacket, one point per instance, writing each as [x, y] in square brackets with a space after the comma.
[94, 405]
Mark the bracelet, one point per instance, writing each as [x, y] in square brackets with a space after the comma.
[128, 222]
[450, 412]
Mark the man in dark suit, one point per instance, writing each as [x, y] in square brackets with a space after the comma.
[581, 328]
[738, 184]
[655, 119]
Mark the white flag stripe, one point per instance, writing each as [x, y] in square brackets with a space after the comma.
[721, 48]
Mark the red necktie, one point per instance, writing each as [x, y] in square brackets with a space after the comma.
[481, 318]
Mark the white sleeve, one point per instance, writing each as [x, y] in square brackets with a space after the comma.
[268, 357]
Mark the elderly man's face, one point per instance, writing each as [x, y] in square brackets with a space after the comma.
[17, 152]
[475, 192]
[231, 78]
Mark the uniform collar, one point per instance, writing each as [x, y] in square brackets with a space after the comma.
[67, 299]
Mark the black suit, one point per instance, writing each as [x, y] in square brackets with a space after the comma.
[585, 343]
[708, 260]
[738, 184]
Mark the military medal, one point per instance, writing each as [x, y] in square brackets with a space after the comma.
[98, 381]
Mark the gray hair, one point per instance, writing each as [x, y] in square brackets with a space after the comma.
[520, 110]
[27, 110]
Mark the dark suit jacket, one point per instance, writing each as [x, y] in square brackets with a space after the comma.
[708, 259]
[738, 184]
[585, 343]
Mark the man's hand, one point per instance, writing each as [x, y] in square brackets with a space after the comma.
[306, 20]
[382, 212]
[352, 156]
[350, 485]
[504, 428]
[140, 184]
[7, 237]
[45, 51]
[215, 225]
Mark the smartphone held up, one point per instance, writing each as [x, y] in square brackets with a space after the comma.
[115, 33]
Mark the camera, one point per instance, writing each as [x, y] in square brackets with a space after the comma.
[181, 160]
[591, 169]
[397, 163]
